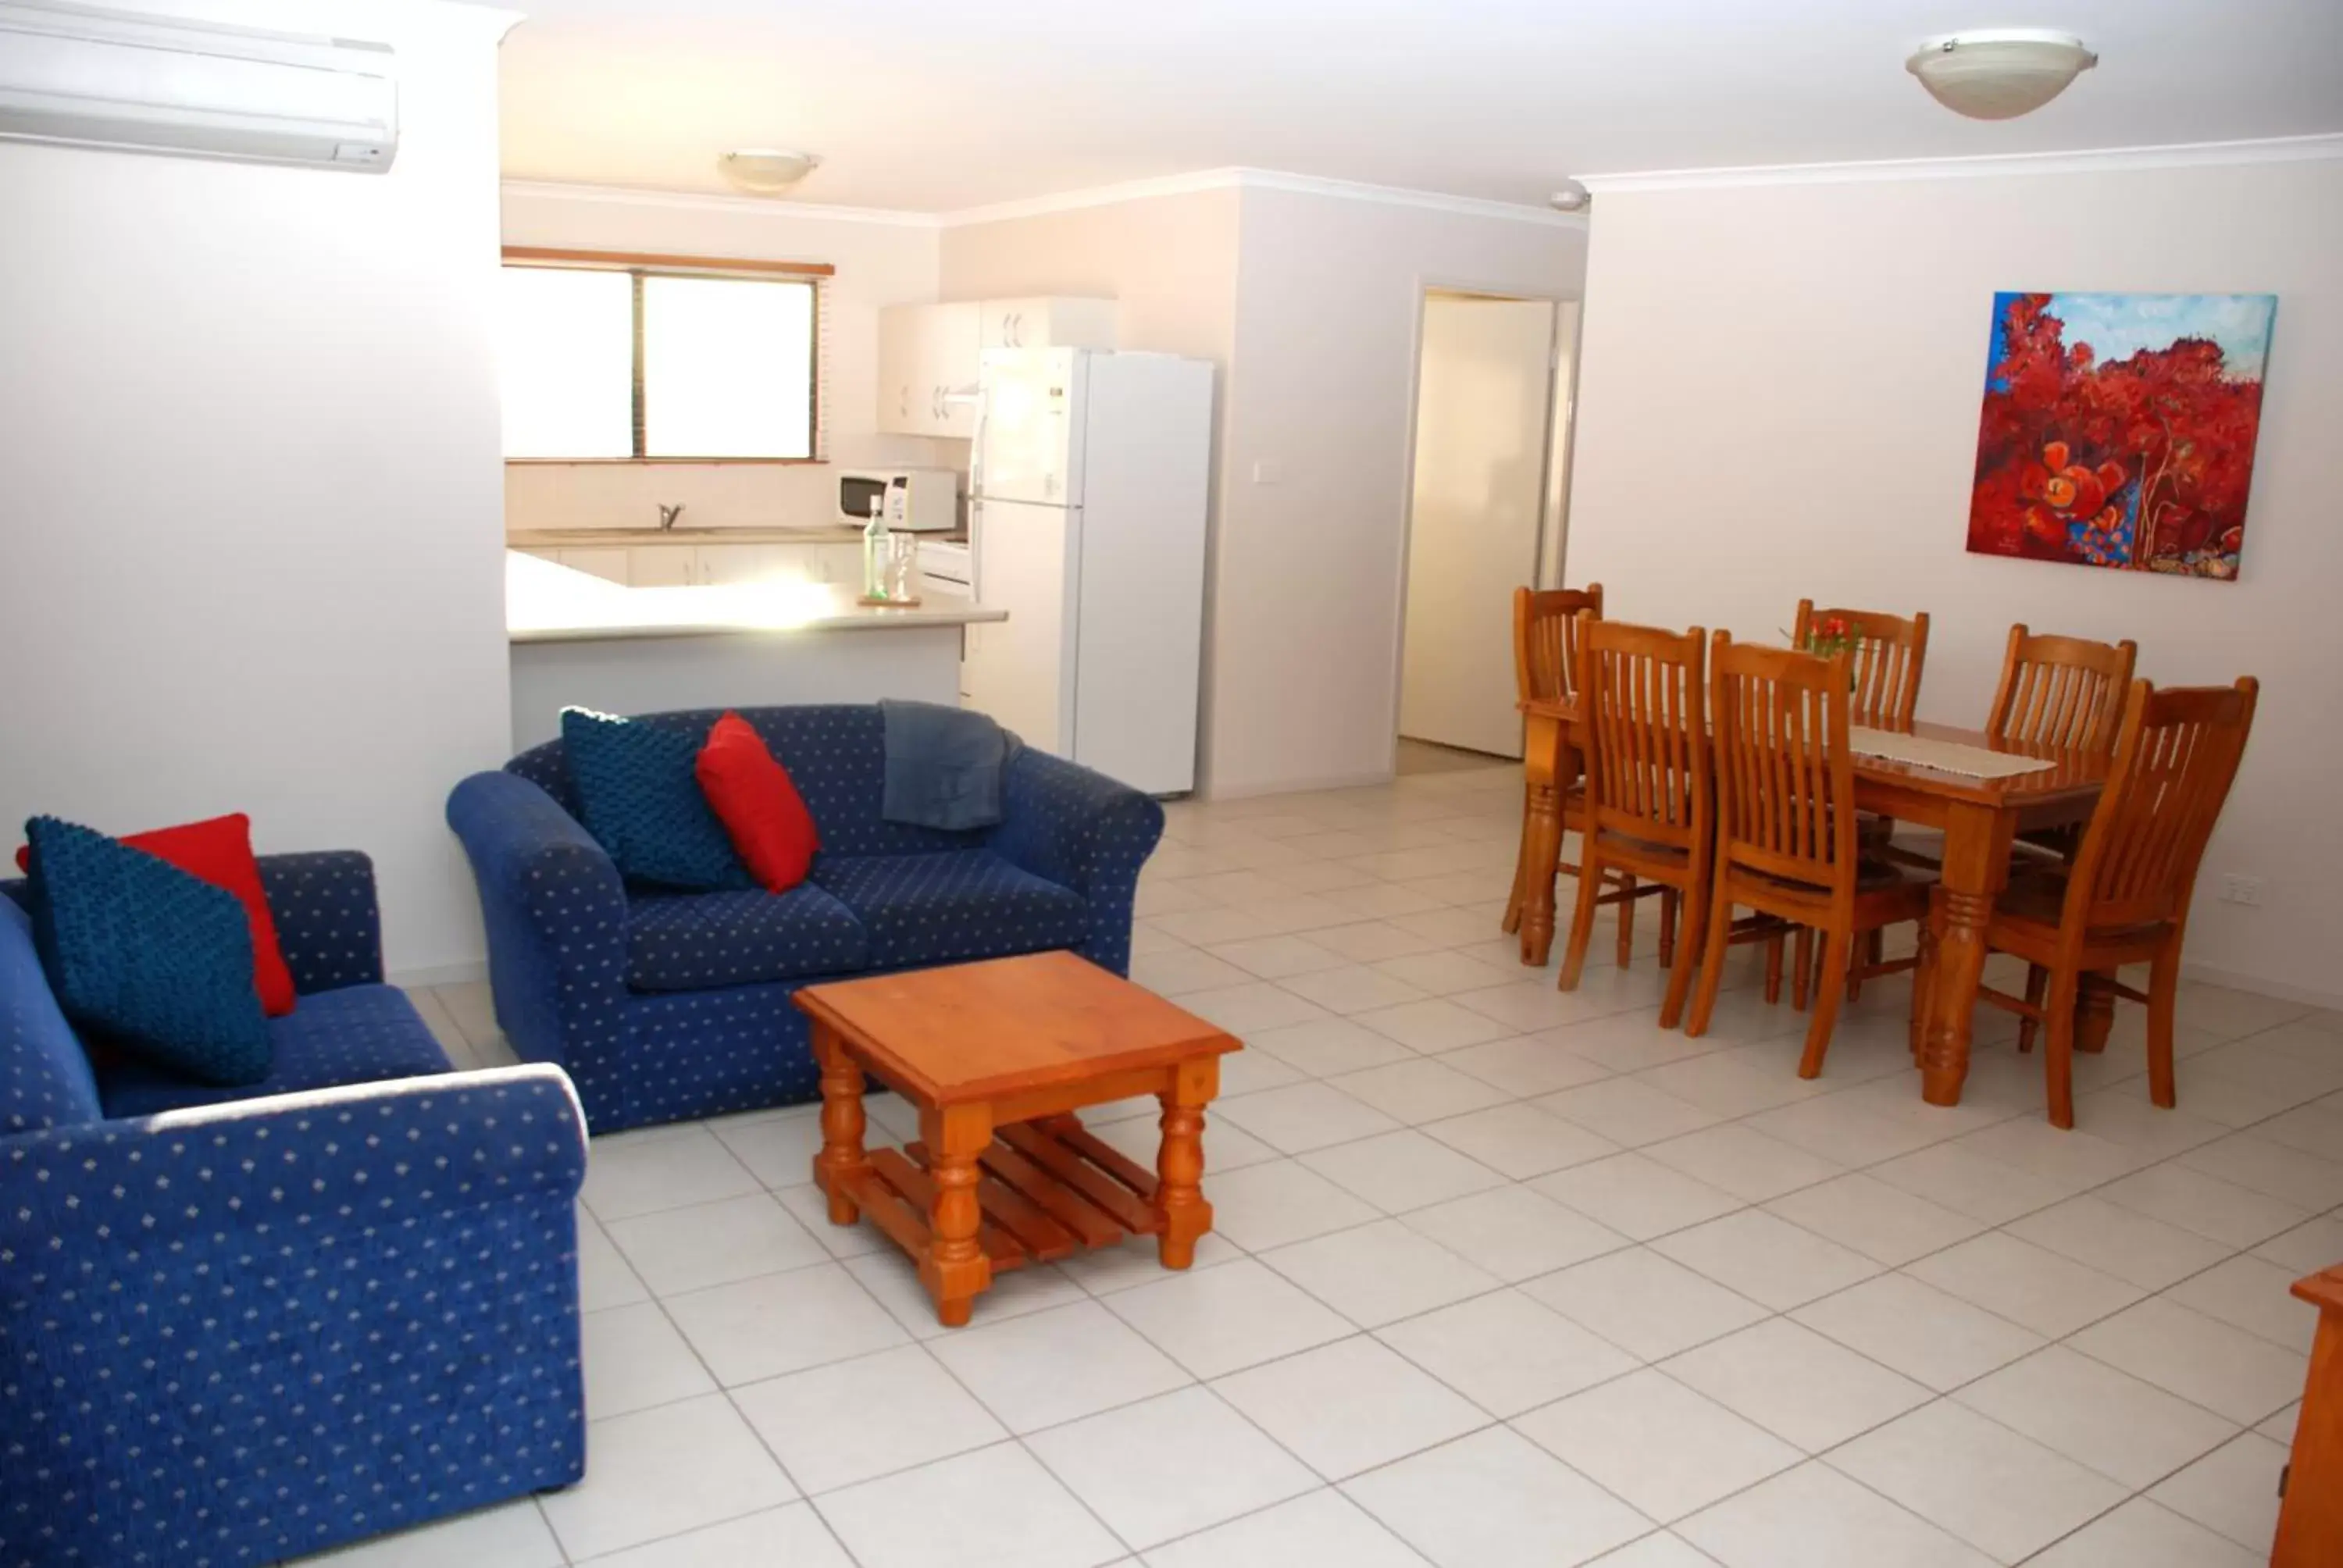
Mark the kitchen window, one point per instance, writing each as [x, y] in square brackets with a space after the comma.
[615, 359]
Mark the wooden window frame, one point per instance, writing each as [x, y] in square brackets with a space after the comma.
[639, 266]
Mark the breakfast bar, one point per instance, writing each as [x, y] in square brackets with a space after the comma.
[579, 640]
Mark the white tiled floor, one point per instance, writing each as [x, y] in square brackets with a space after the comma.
[1500, 1276]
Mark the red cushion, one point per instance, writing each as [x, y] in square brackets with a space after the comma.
[761, 810]
[219, 852]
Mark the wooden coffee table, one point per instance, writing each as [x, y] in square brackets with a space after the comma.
[997, 1056]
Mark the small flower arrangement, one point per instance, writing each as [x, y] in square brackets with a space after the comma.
[1831, 635]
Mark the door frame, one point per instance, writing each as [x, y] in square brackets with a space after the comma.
[1426, 286]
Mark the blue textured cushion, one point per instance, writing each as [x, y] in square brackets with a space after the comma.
[951, 905]
[695, 941]
[837, 756]
[643, 804]
[158, 959]
[44, 1078]
[359, 1034]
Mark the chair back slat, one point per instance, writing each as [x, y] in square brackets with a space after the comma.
[2176, 754]
[1643, 696]
[2062, 691]
[1887, 655]
[1545, 653]
[1784, 776]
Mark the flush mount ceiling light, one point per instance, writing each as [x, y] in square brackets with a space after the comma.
[766, 171]
[1570, 197]
[1999, 73]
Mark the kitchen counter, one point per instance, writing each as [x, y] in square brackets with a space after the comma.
[549, 603]
[617, 539]
[577, 639]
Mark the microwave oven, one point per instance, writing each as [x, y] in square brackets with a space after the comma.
[916, 500]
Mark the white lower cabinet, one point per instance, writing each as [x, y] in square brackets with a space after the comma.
[611, 565]
[662, 566]
[700, 565]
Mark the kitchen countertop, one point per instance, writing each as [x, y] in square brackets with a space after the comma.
[582, 539]
[546, 602]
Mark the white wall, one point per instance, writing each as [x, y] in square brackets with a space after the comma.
[878, 262]
[1309, 304]
[249, 430]
[1779, 395]
[1305, 680]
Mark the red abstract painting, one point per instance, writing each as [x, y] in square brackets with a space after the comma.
[2118, 430]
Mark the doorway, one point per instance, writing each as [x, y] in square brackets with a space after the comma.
[1483, 514]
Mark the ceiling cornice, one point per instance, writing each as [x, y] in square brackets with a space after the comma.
[2103, 160]
[1064, 201]
[717, 201]
[1237, 178]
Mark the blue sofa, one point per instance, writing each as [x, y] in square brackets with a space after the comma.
[665, 1006]
[240, 1325]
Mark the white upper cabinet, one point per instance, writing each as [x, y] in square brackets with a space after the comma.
[1048, 322]
[929, 354]
[953, 336]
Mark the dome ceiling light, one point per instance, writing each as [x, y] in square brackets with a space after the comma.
[766, 171]
[1999, 73]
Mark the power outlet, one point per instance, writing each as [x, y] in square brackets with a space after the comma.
[2245, 891]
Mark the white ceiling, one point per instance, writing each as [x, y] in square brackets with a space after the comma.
[941, 104]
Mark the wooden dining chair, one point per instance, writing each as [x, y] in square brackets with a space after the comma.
[1641, 697]
[1786, 839]
[1887, 653]
[1546, 661]
[2062, 691]
[1886, 658]
[2123, 899]
[1543, 653]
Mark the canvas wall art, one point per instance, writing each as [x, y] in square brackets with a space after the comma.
[2118, 430]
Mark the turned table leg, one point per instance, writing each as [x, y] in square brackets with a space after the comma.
[1512, 920]
[1548, 763]
[1977, 863]
[1180, 1161]
[841, 1162]
[955, 1269]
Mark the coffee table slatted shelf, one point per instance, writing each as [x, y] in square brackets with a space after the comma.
[1050, 1190]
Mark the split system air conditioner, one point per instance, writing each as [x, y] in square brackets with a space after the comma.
[156, 83]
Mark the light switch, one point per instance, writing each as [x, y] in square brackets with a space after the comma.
[1269, 473]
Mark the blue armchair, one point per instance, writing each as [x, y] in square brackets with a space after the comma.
[240, 1325]
[665, 1006]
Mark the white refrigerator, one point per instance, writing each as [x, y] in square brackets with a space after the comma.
[1088, 488]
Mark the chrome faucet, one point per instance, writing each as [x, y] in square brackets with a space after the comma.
[668, 515]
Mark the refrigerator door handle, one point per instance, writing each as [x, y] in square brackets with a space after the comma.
[976, 447]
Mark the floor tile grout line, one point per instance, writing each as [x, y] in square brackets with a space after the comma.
[2232, 1250]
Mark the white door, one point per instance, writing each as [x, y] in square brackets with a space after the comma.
[1020, 670]
[1033, 427]
[1481, 434]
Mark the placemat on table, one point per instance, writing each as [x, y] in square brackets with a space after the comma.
[1944, 756]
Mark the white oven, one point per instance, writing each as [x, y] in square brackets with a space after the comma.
[945, 568]
[916, 500]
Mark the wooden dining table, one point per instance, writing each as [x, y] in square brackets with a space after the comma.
[1979, 818]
